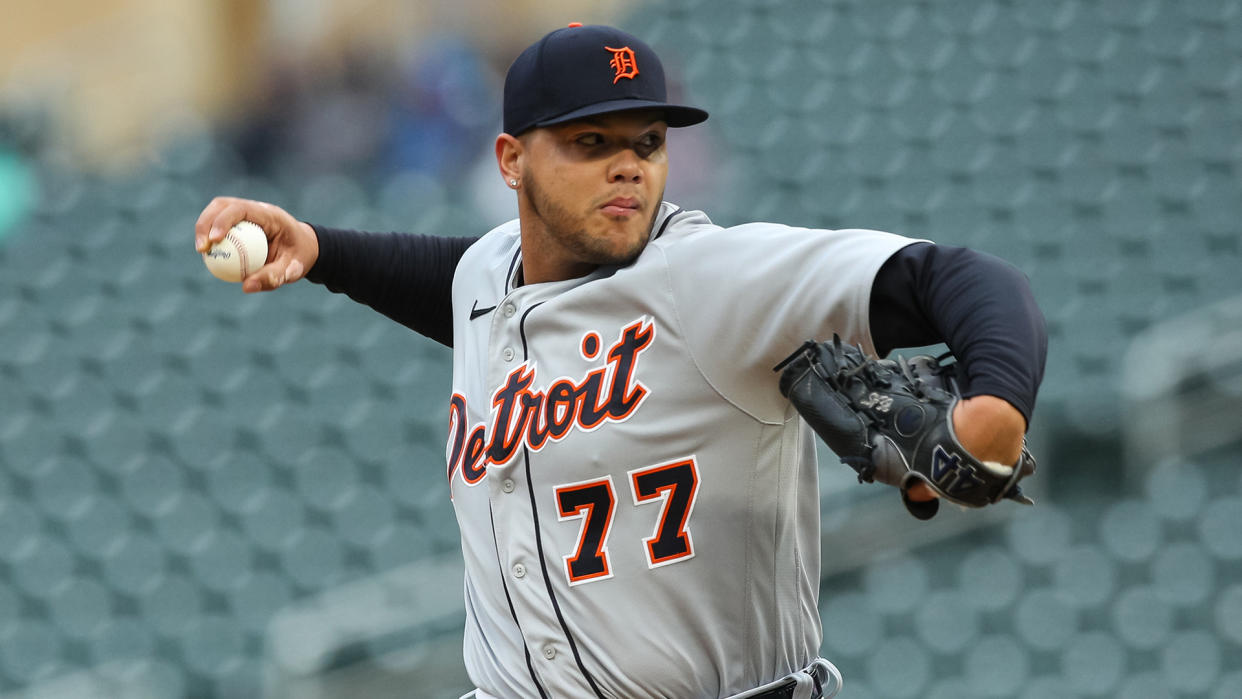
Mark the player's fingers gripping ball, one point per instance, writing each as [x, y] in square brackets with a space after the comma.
[892, 421]
[241, 253]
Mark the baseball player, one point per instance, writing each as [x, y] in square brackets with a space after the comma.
[637, 500]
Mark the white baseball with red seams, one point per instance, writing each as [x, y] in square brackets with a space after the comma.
[240, 254]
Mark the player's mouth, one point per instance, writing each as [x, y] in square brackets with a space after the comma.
[621, 206]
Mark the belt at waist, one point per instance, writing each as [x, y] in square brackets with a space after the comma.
[819, 680]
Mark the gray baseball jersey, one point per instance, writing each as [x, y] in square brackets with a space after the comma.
[638, 504]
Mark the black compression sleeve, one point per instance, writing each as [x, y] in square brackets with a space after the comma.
[407, 277]
[979, 305]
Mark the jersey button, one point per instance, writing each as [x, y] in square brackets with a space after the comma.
[507, 353]
[509, 310]
[507, 485]
[519, 570]
[549, 652]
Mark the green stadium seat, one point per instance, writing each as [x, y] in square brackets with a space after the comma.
[31, 650]
[784, 157]
[997, 665]
[77, 606]
[213, 646]
[324, 477]
[135, 564]
[945, 620]
[62, 485]
[1228, 613]
[895, 585]
[994, 577]
[962, 149]
[324, 199]
[271, 519]
[877, 22]
[904, 679]
[186, 522]
[1129, 14]
[1172, 103]
[801, 22]
[964, 19]
[1177, 490]
[1039, 536]
[1093, 663]
[1131, 143]
[1130, 531]
[1088, 41]
[169, 603]
[964, 80]
[921, 52]
[1006, 45]
[878, 81]
[1229, 685]
[120, 638]
[1050, 79]
[401, 543]
[1085, 577]
[1217, 526]
[1046, 687]
[363, 516]
[1182, 574]
[717, 28]
[97, 525]
[40, 564]
[1045, 620]
[1142, 618]
[1191, 661]
[925, 126]
[221, 560]
[848, 610]
[878, 154]
[799, 92]
[313, 558]
[254, 599]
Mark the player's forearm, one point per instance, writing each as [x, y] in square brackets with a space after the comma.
[406, 277]
[979, 305]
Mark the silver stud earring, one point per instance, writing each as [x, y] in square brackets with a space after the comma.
[512, 183]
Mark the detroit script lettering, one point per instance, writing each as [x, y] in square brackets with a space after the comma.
[522, 416]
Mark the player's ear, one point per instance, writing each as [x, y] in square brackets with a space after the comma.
[509, 151]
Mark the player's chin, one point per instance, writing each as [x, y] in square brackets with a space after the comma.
[619, 248]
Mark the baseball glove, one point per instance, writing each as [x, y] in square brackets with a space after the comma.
[892, 421]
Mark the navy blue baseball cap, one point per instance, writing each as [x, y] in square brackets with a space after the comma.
[582, 71]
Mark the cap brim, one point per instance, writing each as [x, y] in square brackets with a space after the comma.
[675, 115]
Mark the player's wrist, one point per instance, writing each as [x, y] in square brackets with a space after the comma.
[309, 250]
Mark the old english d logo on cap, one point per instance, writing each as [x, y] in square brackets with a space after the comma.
[624, 63]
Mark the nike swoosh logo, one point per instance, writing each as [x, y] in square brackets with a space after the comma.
[475, 311]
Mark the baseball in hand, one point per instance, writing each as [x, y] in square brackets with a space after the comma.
[242, 252]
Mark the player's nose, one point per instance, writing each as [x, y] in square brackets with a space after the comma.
[626, 166]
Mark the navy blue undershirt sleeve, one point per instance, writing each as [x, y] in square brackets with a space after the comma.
[407, 277]
[977, 304]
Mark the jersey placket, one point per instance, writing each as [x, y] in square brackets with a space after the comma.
[517, 519]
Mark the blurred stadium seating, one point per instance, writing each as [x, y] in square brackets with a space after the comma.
[190, 480]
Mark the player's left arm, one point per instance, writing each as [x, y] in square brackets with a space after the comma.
[982, 308]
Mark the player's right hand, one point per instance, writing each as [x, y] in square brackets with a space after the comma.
[292, 246]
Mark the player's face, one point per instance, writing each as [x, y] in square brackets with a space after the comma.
[590, 190]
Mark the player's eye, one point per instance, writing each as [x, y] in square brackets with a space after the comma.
[589, 139]
[650, 142]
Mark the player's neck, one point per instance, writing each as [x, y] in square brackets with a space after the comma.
[543, 258]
